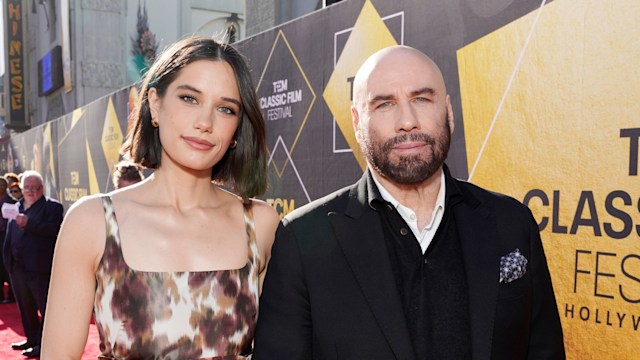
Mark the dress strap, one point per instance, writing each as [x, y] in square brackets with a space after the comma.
[250, 227]
[110, 219]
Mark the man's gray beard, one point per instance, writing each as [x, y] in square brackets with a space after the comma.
[408, 170]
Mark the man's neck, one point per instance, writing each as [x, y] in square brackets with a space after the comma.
[421, 198]
[26, 204]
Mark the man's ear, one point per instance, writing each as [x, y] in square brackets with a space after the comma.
[154, 102]
[355, 120]
[450, 114]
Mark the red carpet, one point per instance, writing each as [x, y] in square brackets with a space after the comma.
[11, 331]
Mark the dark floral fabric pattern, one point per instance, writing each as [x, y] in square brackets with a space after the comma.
[513, 266]
[174, 315]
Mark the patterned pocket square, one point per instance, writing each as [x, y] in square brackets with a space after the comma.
[513, 266]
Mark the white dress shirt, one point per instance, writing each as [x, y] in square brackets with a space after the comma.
[425, 235]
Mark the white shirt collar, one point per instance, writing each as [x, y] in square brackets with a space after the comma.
[388, 197]
[425, 235]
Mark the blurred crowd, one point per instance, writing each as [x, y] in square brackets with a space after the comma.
[10, 192]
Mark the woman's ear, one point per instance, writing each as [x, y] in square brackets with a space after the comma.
[154, 102]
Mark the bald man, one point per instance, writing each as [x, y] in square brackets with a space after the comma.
[407, 263]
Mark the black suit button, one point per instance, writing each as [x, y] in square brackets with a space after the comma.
[404, 231]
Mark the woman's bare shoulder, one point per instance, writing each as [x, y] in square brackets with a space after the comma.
[130, 198]
[264, 211]
[86, 208]
[82, 234]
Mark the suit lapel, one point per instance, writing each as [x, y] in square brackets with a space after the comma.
[361, 238]
[477, 231]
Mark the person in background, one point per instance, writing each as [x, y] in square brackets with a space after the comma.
[4, 275]
[14, 191]
[408, 263]
[126, 173]
[28, 254]
[12, 177]
[172, 267]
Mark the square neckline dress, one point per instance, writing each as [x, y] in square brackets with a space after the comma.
[174, 315]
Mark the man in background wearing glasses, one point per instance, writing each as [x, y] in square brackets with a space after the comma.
[28, 254]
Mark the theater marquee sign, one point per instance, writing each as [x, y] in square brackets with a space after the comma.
[15, 49]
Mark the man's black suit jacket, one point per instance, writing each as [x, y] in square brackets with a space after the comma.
[329, 291]
[34, 244]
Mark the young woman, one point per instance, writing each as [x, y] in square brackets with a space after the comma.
[172, 267]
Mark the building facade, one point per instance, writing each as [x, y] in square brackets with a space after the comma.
[265, 14]
[63, 54]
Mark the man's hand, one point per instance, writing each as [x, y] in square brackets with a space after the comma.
[21, 220]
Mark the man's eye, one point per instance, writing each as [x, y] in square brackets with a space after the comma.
[384, 104]
[421, 99]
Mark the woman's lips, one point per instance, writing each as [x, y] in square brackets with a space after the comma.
[197, 143]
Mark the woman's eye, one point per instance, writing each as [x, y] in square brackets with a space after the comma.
[227, 110]
[188, 99]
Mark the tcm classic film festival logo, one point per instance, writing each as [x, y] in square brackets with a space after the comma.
[286, 99]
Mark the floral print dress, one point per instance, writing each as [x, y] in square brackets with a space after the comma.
[174, 315]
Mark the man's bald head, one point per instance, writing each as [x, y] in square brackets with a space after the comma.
[393, 61]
